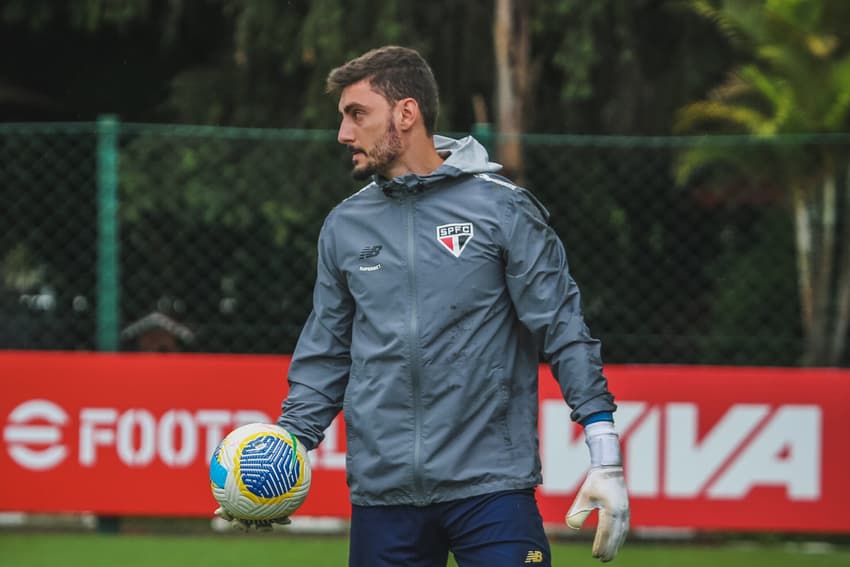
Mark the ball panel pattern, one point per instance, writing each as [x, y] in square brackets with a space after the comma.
[267, 468]
[260, 472]
[218, 472]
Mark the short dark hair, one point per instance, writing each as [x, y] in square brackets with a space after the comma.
[396, 73]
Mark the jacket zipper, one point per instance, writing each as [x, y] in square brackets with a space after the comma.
[415, 360]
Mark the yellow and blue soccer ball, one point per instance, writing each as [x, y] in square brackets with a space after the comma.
[260, 471]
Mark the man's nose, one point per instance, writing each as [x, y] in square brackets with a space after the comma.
[344, 134]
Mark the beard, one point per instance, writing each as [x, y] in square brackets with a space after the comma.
[383, 155]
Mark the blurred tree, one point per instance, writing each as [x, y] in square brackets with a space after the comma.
[512, 50]
[254, 209]
[609, 67]
[273, 73]
[798, 81]
[753, 267]
[77, 59]
[594, 67]
[586, 67]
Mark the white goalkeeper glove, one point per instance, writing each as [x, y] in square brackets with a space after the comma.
[603, 489]
[248, 525]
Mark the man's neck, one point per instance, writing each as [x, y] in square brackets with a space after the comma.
[420, 158]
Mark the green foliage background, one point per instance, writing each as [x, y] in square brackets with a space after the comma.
[683, 250]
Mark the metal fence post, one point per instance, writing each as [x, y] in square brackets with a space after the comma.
[108, 296]
[108, 319]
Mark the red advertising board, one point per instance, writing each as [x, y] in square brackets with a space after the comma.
[713, 448]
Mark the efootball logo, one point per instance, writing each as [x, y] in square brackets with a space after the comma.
[455, 236]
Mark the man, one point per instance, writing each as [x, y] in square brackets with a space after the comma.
[438, 284]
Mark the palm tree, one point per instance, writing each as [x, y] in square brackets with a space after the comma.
[797, 81]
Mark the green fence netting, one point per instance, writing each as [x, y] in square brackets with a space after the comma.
[129, 237]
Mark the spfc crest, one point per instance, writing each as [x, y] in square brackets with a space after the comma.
[455, 236]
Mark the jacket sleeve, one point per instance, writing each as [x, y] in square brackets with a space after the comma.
[548, 303]
[319, 370]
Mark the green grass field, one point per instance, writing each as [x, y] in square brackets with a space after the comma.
[127, 550]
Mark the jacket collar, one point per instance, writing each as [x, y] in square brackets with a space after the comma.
[465, 156]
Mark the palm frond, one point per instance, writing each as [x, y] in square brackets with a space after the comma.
[732, 88]
[697, 158]
[822, 46]
[727, 26]
[746, 120]
[776, 91]
[836, 115]
[771, 87]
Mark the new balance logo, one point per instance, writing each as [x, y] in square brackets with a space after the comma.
[370, 251]
[534, 557]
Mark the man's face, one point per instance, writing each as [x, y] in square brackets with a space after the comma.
[368, 130]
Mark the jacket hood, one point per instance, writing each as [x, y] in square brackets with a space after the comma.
[464, 156]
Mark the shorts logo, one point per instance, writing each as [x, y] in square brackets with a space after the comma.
[534, 557]
[455, 236]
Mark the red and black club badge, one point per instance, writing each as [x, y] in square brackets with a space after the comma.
[454, 236]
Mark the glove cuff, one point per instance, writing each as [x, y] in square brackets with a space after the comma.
[604, 444]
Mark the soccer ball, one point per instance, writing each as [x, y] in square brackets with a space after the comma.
[260, 471]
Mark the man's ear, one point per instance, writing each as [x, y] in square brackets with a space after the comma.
[408, 113]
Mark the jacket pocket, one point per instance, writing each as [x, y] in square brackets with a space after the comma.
[379, 434]
[465, 434]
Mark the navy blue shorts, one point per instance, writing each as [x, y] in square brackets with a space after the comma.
[494, 530]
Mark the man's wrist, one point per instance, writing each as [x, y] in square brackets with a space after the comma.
[596, 417]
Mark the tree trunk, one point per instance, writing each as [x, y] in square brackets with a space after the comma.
[823, 269]
[805, 277]
[822, 276]
[511, 45]
[841, 322]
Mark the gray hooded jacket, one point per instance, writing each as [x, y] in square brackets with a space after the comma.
[434, 296]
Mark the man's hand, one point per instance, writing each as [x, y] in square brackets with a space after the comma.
[603, 489]
[248, 525]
